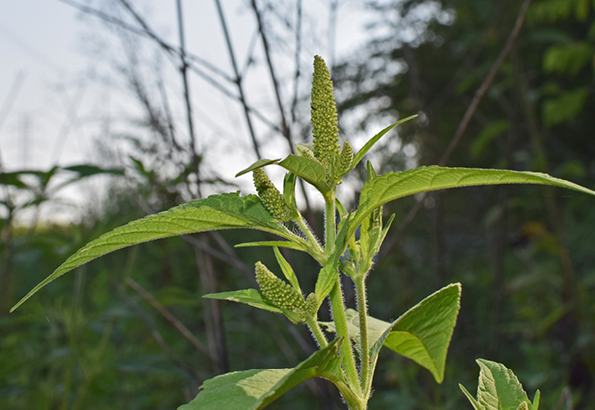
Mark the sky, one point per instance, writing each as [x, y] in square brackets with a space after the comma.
[57, 89]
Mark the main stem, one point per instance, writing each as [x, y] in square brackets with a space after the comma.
[362, 309]
[336, 297]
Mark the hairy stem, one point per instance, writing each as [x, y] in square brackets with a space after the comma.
[317, 332]
[299, 220]
[336, 297]
[362, 310]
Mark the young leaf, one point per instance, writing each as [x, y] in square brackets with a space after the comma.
[474, 403]
[289, 182]
[310, 170]
[499, 389]
[255, 389]
[258, 164]
[217, 212]
[423, 333]
[536, 400]
[286, 269]
[328, 274]
[372, 141]
[249, 297]
[280, 244]
[397, 185]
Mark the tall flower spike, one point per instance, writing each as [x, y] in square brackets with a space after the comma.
[278, 292]
[324, 114]
[270, 196]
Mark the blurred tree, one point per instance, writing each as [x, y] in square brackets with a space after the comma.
[433, 57]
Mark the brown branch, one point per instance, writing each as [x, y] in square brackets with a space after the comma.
[297, 66]
[167, 315]
[272, 73]
[212, 314]
[173, 51]
[187, 99]
[238, 79]
[286, 131]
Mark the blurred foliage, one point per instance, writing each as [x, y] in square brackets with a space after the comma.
[524, 255]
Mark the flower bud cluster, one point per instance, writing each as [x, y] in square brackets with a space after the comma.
[270, 196]
[279, 293]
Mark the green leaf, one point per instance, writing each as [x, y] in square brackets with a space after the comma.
[255, 389]
[217, 212]
[499, 389]
[536, 400]
[421, 334]
[87, 170]
[372, 141]
[328, 274]
[258, 164]
[250, 297]
[13, 179]
[280, 244]
[289, 182]
[474, 403]
[286, 269]
[395, 185]
[309, 169]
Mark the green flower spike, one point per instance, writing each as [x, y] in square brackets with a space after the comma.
[270, 196]
[345, 159]
[279, 293]
[324, 114]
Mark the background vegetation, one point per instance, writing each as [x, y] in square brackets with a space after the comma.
[497, 83]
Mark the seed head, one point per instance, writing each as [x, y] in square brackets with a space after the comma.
[324, 114]
[278, 292]
[270, 196]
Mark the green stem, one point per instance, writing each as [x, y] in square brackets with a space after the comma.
[354, 402]
[362, 310]
[317, 332]
[336, 297]
[299, 220]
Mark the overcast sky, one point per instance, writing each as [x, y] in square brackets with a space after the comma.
[52, 105]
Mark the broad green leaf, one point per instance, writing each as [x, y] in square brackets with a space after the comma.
[308, 169]
[499, 389]
[423, 333]
[217, 212]
[286, 269]
[397, 185]
[372, 141]
[255, 389]
[280, 244]
[250, 297]
[258, 164]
